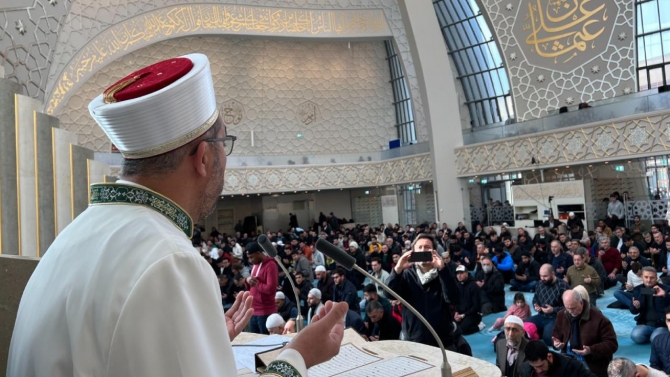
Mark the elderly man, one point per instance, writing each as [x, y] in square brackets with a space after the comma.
[510, 352]
[611, 260]
[548, 301]
[325, 283]
[624, 367]
[581, 273]
[585, 333]
[314, 303]
[649, 302]
[275, 324]
[164, 120]
[492, 287]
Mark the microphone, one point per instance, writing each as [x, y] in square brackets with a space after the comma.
[270, 250]
[349, 263]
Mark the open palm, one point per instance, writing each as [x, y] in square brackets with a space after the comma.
[239, 314]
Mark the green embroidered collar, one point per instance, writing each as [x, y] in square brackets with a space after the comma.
[117, 193]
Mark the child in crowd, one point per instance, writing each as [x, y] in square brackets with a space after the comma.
[520, 309]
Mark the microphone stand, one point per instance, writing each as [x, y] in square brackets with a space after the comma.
[299, 324]
[445, 368]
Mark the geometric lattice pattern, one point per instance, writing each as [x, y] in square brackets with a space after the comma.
[608, 71]
[647, 209]
[501, 214]
[247, 180]
[368, 210]
[277, 89]
[622, 139]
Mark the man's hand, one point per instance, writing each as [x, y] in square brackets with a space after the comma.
[320, 341]
[560, 270]
[587, 280]
[636, 303]
[557, 343]
[548, 309]
[659, 291]
[374, 338]
[537, 308]
[480, 283]
[403, 263]
[629, 287]
[438, 262]
[239, 314]
[586, 350]
[612, 275]
[252, 281]
[297, 290]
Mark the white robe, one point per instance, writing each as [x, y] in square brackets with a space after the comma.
[122, 292]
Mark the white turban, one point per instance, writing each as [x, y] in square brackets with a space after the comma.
[315, 292]
[320, 269]
[514, 319]
[280, 296]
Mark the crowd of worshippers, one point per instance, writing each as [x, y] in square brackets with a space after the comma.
[566, 271]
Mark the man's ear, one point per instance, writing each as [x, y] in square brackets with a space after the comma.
[200, 159]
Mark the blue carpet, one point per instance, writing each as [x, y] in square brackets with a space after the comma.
[623, 322]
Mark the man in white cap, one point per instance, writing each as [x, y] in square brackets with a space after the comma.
[122, 291]
[324, 283]
[574, 220]
[275, 324]
[510, 349]
[314, 303]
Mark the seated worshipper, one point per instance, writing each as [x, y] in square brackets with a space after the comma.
[461, 257]
[314, 303]
[542, 362]
[226, 286]
[324, 283]
[559, 259]
[542, 235]
[344, 290]
[575, 221]
[510, 352]
[448, 263]
[301, 264]
[513, 250]
[526, 275]
[286, 308]
[632, 255]
[611, 260]
[547, 301]
[379, 273]
[380, 325]
[302, 286]
[585, 333]
[625, 296]
[275, 324]
[114, 311]
[239, 285]
[353, 320]
[660, 348]
[582, 274]
[649, 302]
[419, 283]
[467, 312]
[503, 261]
[290, 327]
[492, 288]
[520, 309]
[623, 367]
[369, 295]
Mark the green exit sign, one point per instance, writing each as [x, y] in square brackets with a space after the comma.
[619, 168]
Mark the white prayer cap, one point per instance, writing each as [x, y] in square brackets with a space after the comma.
[274, 320]
[315, 292]
[514, 319]
[320, 269]
[353, 244]
[280, 296]
[571, 214]
[159, 108]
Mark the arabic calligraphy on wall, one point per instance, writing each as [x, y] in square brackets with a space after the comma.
[562, 35]
[183, 20]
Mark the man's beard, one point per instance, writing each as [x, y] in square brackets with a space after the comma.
[512, 343]
[210, 193]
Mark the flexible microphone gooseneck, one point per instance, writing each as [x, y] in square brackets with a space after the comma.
[270, 250]
[349, 263]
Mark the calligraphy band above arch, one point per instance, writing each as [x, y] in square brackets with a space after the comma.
[210, 19]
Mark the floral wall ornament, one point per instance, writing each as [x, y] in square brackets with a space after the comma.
[20, 27]
[540, 78]
[622, 36]
[513, 56]
[569, 100]
[509, 6]
[595, 69]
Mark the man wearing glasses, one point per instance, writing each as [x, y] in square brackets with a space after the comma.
[423, 282]
[122, 291]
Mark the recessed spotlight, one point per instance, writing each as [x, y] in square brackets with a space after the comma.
[607, 162]
[567, 167]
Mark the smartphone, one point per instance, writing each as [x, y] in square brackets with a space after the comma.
[421, 256]
[647, 291]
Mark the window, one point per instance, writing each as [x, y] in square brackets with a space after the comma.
[401, 99]
[653, 43]
[478, 61]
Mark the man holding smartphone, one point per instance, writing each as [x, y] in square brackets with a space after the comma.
[649, 301]
[425, 281]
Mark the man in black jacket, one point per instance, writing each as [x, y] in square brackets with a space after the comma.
[381, 325]
[344, 290]
[527, 274]
[325, 283]
[541, 362]
[431, 289]
[492, 287]
[467, 310]
[649, 302]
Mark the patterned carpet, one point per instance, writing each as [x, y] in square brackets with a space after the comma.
[622, 319]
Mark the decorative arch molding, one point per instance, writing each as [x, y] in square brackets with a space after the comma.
[183, 20]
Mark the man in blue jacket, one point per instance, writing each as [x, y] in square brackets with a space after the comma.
[559, 260]
[504, 262]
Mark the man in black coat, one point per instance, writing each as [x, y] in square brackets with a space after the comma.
[344, 290]
[325, 283]
[467, 310]
[541, 361]
[492, 287]
[423, 283]
[381, 325]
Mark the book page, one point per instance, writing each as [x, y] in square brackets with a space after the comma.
[349, 359]
[396, 367]
[244, 353]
